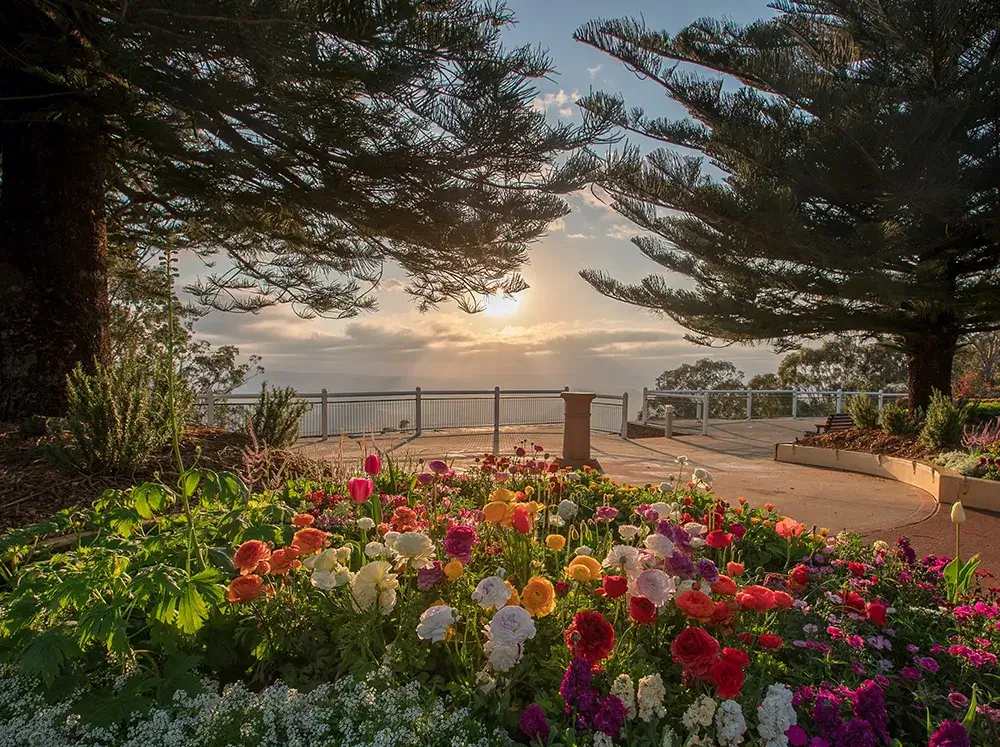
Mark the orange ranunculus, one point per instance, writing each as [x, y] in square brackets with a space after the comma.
[783, 600]
[578, 573]
[592, 565]
[303, 520]
[696, 605]
[538, 597]
[454, 570]
[734, 569]
[495, 512]
[768, 506]
[284, 560]
[244, 588]
[756, 598]
[309, 541]
[789, 528]
[742, 500]
[515, 598]
[251, 556]
[555, 542]
[725, 587]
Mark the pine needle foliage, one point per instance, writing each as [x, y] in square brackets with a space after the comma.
[864, 412]
[945, 423]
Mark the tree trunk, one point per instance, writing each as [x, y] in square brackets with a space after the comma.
[54, 307]
[929, 362]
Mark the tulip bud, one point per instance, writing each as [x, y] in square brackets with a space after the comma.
[373, 465]
[957, 513]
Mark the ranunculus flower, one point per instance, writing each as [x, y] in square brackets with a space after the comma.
[877, 613]
[284, 560]
[438, 466]
[615, 586]
[734, 569]
[584, 561]
[555, 542]
[436, 623]
[770, 642]
[459, 541]
[492, 591]
[642, 610]
[783, 600]
[244, 588]
[854, 600]
[800, 575]
[538, 597]
[521, 520]
[718, 539]
[303, 520]
[590, 636]
[727, 674]
[856, 569]
[695, 650]
[454, 570]
[789, 528]
[373, 465]
[309, 541]
[495, 512]
[251, 556]
[737, 530]
[360, 489]
[756, 598]
[696, 605]
[725, 587]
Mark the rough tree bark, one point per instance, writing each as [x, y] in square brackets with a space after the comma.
[929, 361]
[54, 306]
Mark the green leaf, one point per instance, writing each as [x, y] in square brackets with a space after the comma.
[46, 654]
[191, 609]
[149, 499]
[190, 480]
[970, 715]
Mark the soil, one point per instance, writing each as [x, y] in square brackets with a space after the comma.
[872, 442]
[33, 487]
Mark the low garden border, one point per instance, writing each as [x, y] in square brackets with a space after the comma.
[945, 486]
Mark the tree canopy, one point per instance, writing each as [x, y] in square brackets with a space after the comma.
[295, 146]
[838, 173]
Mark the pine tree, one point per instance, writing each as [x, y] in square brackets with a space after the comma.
[299, 144]
[844, 175]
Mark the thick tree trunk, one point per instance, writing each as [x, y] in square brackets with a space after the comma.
[929, 361]
[54, 307]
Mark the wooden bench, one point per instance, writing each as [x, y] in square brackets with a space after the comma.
[841, 422]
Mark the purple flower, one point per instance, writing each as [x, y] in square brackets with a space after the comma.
[910, 673]
[707, 570]
[869, 704]
[534, 725]
[425, 478]
[903, 544]
[680, 565]
[818, 742]
[827, 714]
[858, 733]
[606, 513]
[431, 576]
[950, 734]
[797, 736]
[927, 663]
[459, 541]
[611, 717]
[958, 700]
[438, 466]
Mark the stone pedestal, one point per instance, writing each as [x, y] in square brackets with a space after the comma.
[576, 428]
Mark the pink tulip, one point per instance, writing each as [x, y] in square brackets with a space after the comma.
[373, 465]
[360, 489]
[437, 466]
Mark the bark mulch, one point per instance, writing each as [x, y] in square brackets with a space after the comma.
[872, 442]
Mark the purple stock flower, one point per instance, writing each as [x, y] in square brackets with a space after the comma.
[680, 565]
[869, 704]
[534, 725]
[827, 714]
[857, 733]
[950, 734]
[904, 547]
[707, 570]
[611, 717]
[431, 576]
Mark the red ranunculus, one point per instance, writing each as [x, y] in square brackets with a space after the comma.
[783, 600]
[521, 520]
[719, 539]
[727, 675]
[590, 636]
[642, 610]
[615, 586]
[877, 613]
[695, 650]
[756, 598]
[855, 601]
[770, 642]
[800, 575]
[723, 613]
[856, 569]
[562, 588]
[747, 639]
[733, 568]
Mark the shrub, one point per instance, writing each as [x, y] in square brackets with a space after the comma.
[115, 419]
[276, 416]
[864, 411]
[983, 437]
[984, 411]
[897, 420]
[945, 423]
[962, 462]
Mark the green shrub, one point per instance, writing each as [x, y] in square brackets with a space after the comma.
[983, 411]
[962, 462]
[897, 420]
[865, 412]
[945, 423]
[116, 418]
[276, 416]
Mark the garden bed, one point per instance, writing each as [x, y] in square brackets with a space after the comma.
[872, 441]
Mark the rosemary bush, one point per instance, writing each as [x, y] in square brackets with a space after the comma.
[276, 416]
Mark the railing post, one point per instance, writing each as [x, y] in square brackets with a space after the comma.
[668, 421]
[324, 416]
[704, 413]
[210, 408]
[496, 421]
[749, 404]
[699, 405]
[881, 399]
[795, 404]
[840, 401]
[645, 405]
[416, 411]
[624, 414]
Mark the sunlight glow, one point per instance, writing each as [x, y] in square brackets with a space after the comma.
[500, 305]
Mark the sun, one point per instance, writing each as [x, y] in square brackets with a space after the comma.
[500, 305]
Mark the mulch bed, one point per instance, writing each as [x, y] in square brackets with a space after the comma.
[33, 487]
[872, 442]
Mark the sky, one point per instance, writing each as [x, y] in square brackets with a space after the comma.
[559, 332]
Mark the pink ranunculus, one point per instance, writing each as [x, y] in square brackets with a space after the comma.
[789, 528]
[373, 465]
[737, 530]
[459, 541]
[360, 489]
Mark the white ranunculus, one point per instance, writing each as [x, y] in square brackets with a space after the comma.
[701, 474]
[324, 561]
[415, 548]
[555, 520]
[583, 550]
[434, 623]
[365, 524]
[655, 585]
[659, 545]
[662, 509]
[376, 550]
[343, 554]
[327, 580]
[567, 509]
[511, 626]
[623, 557]
[503, 656]
[695, 529]
[573, 477]
[491, 592]
[666, 487]
[375, 584]
[628, 531]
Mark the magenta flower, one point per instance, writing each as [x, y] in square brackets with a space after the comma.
[438, 466]
[373, 465]
[459, 541]
[950, 734]
[534, 725]
[431, 576]
[360, 489]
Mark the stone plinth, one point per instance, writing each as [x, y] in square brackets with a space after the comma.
[576, 428]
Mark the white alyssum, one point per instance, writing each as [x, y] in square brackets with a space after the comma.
[624, 689]
[730, 726]
[650, 697]
[491, 592]
[699, 714]
[775, 715]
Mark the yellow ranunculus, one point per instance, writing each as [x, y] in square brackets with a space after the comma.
[500, 494]
[578, 573]
[538, 597]
[555, 542]
[496, 512]
[589, 564]
[453, 570]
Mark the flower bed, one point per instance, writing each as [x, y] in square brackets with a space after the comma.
[516, 599]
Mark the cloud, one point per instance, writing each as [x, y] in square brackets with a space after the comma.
[579, 236]
[622, 231]
[595, 197]
[392, 285]
[562, 102]
[594, 71]
[557, 225]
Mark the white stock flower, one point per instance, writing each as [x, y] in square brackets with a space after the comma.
[491, 592]
[659, 545]
[628, 531]
[668, 738]
[775, 715]
[650, 697]
[655, 585]
[375, 584]
[365, 523]
[567, 509]
[511, 625]
[376, 550]
[623, 689]
[602, 740]
[434, 623]
[624, 557]
[730, 726]
[415, 548]
[699, 714]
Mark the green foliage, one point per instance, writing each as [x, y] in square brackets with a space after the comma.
[962, 462]
[117, 417]
[959, 576]
[276, 416]
[844, 363]
[983, 411]
[897, 420]
[865, 412]
[945, 422]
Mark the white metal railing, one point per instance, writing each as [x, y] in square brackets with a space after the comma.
[702, 405]
[411, 412]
